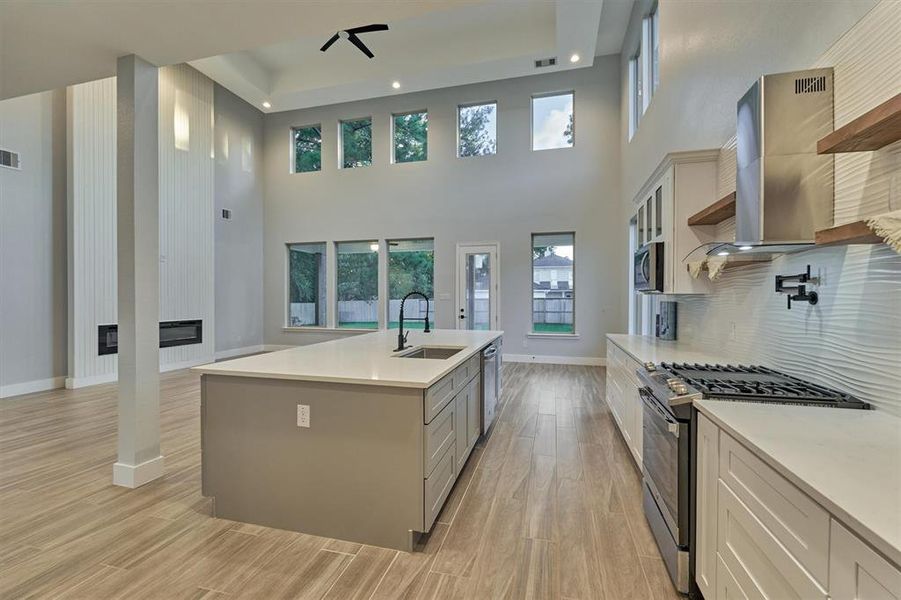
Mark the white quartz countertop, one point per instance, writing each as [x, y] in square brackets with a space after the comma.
[362, 359]
[648, 349]
[849, 461]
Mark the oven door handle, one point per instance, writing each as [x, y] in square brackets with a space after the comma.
[648, 398]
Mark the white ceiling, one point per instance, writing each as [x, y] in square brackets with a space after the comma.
[268, 50]
[457, 45]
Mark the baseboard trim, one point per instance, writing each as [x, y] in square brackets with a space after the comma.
[132, 476]
[223, 354]
[74, 383]
[276, 347]
[587, 361]
[185, 364]
[31, 387]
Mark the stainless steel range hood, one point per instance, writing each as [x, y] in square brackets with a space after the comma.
[784, 189]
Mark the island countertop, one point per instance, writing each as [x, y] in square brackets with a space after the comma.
[367, 359]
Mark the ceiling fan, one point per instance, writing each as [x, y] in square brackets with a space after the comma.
[351, 34]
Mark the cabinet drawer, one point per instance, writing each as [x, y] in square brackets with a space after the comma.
[439, 436]
[799, 523]
[437, 486]
[759, 563]
[467, 371]
[437, 396]
[858, 572]
[726, 586]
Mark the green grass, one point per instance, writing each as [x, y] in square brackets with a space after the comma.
[552, 328]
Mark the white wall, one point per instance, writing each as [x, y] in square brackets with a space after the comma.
[851, 340]
[710, 53]
[33, 244]
[186, 218]
[239, 240]
[501, 198]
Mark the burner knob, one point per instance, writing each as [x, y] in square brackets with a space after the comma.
[650, 367]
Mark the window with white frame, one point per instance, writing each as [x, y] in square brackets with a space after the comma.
[644, 70]
[307, 306]
[411, 268]
[553, 121]
[553, 279]
[307, 148]
[477, 129]
[358, 284]
[410, 133]
[356, 143]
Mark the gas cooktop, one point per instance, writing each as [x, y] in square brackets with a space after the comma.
[757, 384]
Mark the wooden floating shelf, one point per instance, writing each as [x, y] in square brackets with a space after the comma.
[717, 212]
[870, 131]
[850, 233]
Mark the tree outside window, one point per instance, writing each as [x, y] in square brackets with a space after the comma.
[358, 284]
[411, 137]
[307, 306]
[477, 129]
[308, 149]
[411, 267]
[356, 143]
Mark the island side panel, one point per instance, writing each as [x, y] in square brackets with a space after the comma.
[355, 474]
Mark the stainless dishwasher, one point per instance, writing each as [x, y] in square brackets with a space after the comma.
[491, 384]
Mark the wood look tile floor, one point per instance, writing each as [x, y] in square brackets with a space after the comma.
[548, 507]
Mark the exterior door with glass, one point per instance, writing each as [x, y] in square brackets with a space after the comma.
[477, 286]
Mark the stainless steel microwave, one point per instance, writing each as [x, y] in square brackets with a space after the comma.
[647, 267]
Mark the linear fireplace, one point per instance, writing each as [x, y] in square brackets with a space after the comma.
[172, 333]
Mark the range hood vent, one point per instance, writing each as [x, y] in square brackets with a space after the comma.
[784, 189]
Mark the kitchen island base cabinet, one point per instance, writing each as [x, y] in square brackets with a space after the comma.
[373, 464]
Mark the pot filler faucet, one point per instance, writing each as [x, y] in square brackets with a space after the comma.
[401, 336]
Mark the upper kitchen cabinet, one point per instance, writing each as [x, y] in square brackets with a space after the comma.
[683, 184]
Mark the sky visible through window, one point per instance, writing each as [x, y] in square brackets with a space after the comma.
[552, 122]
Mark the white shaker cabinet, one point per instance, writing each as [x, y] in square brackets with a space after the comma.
[706, 563]
[856, 572]
[623, 398]
[759, 536]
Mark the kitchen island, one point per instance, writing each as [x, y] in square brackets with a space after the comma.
[345, 439]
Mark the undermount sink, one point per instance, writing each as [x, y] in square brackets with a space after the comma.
[438, 352]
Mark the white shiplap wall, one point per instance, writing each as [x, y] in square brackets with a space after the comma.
[851, 340]
[186, 218]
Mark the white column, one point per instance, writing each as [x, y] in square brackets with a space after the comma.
[137, 206]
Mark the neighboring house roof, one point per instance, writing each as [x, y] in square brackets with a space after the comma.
[552, 260]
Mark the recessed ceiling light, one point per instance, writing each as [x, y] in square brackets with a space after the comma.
[745, 247]
[723, 253]
[574, 58]
[267, 104]
[395, 85]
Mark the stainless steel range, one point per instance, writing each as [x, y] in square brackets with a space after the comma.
[669, 440]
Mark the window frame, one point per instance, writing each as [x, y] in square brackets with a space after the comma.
[287, 271]
[378, 294]
[392, 145]
[644, 69]
[574, 334]
[293, 166]
[341, 123]
[433, 302]
[569, 92]
[460, 107]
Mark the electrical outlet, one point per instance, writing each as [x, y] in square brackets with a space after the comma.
[303, 415]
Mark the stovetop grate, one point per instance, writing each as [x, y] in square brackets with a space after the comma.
[759, 384]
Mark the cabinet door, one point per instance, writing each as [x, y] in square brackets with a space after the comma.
[760, 564]
[706, 509]
[726, 586]
[473, 411]
[635, 426]
[461, 401]
[658, 211]
[858, 573]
